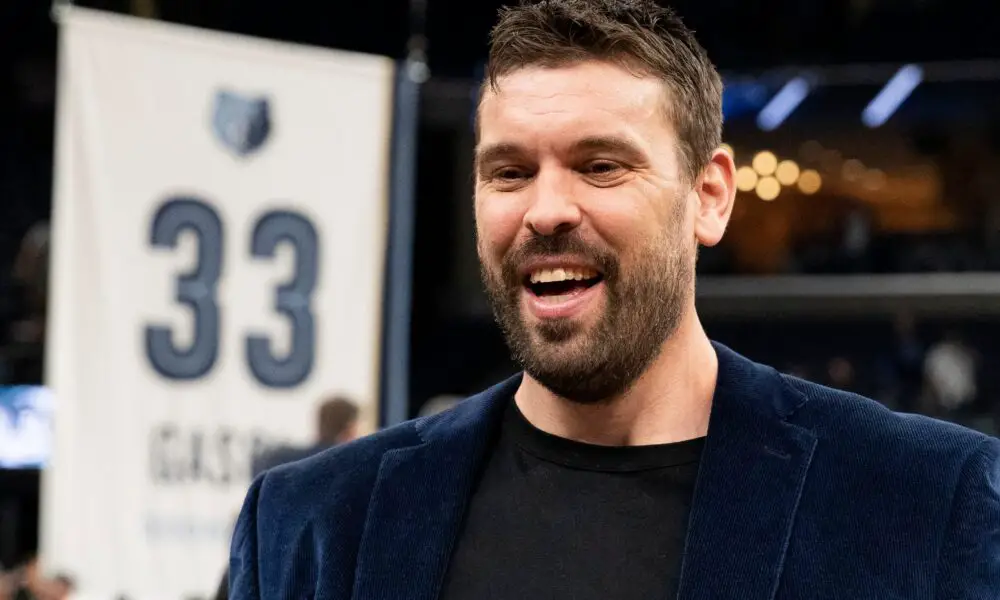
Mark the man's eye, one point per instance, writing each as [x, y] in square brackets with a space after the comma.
[602, 167]
[509, 174]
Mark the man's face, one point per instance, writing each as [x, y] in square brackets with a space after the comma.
[585, 224]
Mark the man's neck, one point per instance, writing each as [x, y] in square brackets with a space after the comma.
[670, 402]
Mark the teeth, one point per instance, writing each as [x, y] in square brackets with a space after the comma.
[554, 275]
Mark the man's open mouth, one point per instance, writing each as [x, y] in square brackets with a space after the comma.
[561, 281]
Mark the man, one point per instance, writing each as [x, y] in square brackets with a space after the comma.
[633, 458]
[24, 340]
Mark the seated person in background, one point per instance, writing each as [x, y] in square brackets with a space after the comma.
[336, 423]
[23, 344]
[30, 583]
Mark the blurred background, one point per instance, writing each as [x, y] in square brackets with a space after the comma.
[864, 250]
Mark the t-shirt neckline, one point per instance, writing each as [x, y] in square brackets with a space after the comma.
[593, 457]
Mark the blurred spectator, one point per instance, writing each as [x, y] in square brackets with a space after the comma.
[908, 360]
[856, 239]
[840, 374]
[6, 584]
[798, 370]
[31, 269]
[63, 585]
[336, 423]
[950, 371]
[29, 583]
[439, 404]
[26, 337]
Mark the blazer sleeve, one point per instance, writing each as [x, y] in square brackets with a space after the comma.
[969, 567]
[244, 576]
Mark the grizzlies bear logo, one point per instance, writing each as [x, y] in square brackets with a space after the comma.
[242, 124]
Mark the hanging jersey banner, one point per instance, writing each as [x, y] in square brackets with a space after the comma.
[219, 235]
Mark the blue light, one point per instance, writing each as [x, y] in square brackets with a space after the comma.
[892, 96]
[783, 104]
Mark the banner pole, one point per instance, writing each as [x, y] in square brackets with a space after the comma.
[57, 9]
[411, 73]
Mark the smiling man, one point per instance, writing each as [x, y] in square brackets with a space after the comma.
[633, 458]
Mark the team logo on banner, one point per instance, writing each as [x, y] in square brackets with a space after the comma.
[241, 123]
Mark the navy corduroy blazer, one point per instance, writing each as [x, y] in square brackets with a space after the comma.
[803, 492]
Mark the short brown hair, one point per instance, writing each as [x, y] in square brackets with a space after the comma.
[336, 415]
[635, 34]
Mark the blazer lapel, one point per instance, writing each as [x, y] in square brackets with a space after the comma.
[751, 476]
[419, 500]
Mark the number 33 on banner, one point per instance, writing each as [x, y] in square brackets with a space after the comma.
[197, 290]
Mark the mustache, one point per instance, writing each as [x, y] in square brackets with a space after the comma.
[570, 243]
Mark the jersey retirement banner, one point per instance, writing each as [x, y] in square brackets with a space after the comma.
[219, 236]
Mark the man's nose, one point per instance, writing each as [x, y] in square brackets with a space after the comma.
[553, 208]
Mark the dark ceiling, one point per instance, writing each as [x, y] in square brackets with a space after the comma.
[738, 33]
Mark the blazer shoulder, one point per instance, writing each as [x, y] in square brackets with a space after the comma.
[309, 516]
[333, 477]
[342, 477]
[859, 423]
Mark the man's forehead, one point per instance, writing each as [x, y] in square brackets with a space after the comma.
[590, 91]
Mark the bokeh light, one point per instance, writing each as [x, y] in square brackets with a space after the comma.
[787, 172]
[768, 188]
[810, 182]
[853, 170]
[746, 179]
[765, 163]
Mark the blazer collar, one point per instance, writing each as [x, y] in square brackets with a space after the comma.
[750, 479]
[420, 497]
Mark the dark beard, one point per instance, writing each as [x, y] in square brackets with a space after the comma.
[643, 308]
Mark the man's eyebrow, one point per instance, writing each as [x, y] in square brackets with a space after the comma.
[495, 152]
[612, 144]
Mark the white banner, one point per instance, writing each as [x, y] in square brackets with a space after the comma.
[219, 235]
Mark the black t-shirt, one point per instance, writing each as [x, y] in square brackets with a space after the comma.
[557, 519]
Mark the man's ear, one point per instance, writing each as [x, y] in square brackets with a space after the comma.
[716, 189]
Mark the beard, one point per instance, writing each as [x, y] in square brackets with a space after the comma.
[643, 307]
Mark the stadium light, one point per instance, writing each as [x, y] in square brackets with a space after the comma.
[783, 104]
[892, 96]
